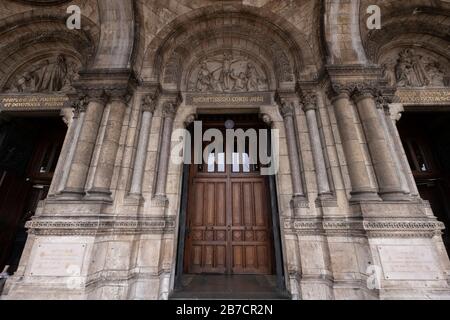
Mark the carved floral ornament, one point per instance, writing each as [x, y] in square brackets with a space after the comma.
[227, 72]
[412, 68]
[49, 75]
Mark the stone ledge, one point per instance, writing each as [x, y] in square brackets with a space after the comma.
[371, 228]
[94, 226]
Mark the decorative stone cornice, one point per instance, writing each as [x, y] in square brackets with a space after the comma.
[101, 84]
[93, 226]
[372, 228]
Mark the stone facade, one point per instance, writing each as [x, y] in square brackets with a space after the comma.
[347, 198]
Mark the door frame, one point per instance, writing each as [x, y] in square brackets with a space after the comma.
[276, 230]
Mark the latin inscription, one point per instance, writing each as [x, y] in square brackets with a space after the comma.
[229, 99]
[408, 262]
[33, 102]
[56, 259]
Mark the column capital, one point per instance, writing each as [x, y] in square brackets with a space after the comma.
[95, 95]
[309, 100]
[118, 94]
[266, 118]
[364, 90]
[339, 90]
[169, 109]
[79, 104]
[190, 119]
[287, 109]
[149, 102]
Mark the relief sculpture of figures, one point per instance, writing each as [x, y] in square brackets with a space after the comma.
[47, 76]
[414, 70]
[226, 73]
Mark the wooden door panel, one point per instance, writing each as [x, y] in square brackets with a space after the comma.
[208, 229]
[250, 227]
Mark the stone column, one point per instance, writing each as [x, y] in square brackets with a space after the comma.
[382, 158]
[383, 111]
[395, 113]
[362, 188]
[148, 107]
[310, 109]
[76, 179]
[287, 111]
[108, 150]
[70, 142]
[169, 111]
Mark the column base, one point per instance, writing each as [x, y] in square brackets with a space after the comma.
[160, 200]
[326, 201]
[299, 201]
[70, 194]
[358, 196]
[98, 194]
[394, 196]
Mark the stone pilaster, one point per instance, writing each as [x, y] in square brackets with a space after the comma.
[382, 157]
[362, 188]
[169, 110]
[299, 199]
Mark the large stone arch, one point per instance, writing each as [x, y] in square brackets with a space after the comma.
[116, 42]
[28, 37]
[424, 30]
[250, 24]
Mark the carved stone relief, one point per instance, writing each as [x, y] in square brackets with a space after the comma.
[45, 76]
[227, 73]
[411, 68]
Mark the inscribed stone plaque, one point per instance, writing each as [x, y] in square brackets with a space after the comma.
[229, 99]
[56, 259]
[33, 102]
[401, 262]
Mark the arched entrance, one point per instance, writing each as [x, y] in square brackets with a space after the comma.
[229, 241]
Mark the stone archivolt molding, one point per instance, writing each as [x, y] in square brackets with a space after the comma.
[92, 226]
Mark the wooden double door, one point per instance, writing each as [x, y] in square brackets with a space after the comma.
[228, 225]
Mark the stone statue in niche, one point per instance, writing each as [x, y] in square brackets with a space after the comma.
[226, 73]
[46, 76]
[414, 70]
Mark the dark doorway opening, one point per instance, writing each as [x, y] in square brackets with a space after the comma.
[229, 240]
[426, 140]
[29, 151]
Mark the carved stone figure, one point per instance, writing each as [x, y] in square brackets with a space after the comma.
[413, 70]
[204, 78]
[228, 74]
[47, 76]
